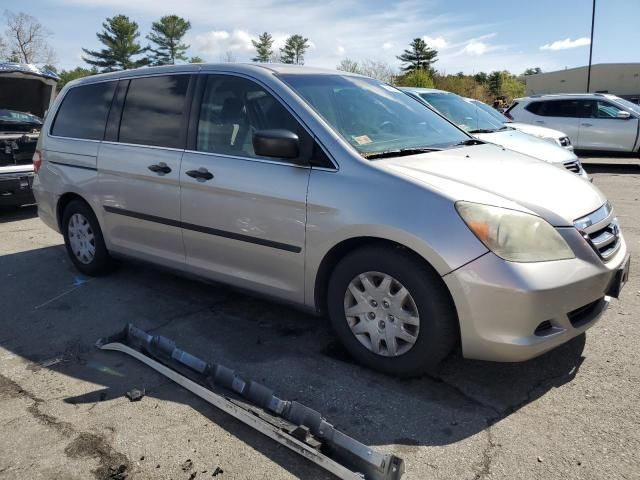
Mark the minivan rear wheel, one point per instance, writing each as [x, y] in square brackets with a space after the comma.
[391, 311]
[83, 239]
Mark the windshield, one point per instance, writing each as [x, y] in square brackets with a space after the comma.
[632, 107]
[462, 113]
[490, 110]
[13, 116]
[374, 117]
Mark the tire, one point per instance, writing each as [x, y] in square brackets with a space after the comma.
[88, 253]
[433, 338]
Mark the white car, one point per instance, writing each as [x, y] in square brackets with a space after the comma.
[485, 127]
[593, 121]
[549, 134]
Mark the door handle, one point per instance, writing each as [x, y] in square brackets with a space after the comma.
[200, 174]
[161, 168]
[539, 121]
[586, 125]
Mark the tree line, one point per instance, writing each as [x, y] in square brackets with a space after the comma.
[122, 48]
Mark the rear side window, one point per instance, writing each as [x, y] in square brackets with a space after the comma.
[533, 107]
[84, 110]
[556, 108]
[154, 110]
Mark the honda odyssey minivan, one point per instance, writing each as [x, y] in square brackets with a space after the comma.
[337, 193]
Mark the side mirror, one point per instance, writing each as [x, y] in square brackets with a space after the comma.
[276, 143]
[623, 115]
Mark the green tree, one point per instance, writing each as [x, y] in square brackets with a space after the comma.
[533, 71]
[196, 59]
[417, 78]
[263, 46]
[481, 78]
[166, 35]
[121, 46]
[495, 80]
[418, 56]
[67, 75]
[294, 49]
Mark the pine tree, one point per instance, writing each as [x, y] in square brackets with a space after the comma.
[166, 34]
[294, 49]
[120, 39]
[264, 52]
[418, 56]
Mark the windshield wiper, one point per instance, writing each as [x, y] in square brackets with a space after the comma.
[483, 130]
[400, 152]
[469, 141]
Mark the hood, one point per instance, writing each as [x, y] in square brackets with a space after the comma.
[529, 145]
[492, 175]
[536, 131]
[26, 88]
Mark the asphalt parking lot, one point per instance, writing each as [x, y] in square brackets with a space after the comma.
[572, 413]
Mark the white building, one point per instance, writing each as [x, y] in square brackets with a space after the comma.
[622, 79]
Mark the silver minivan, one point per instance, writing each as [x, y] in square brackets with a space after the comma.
[337, 193]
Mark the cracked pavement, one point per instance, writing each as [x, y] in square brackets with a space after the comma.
[570, 414]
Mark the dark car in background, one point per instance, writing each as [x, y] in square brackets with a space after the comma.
[26, 92]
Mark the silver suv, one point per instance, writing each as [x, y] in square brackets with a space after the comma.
[593, 121]
[337, 193]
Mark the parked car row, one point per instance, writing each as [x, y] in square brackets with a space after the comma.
[337, 193]
[487, 127]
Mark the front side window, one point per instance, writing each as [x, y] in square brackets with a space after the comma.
[84, 110]
[375, 118]
[232, 109]
[606, 110]
[464, 114]
[154, 110]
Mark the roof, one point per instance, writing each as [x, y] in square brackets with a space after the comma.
[28, 69]
[556, 96]
[246, 68]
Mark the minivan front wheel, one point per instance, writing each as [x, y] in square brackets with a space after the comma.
[392, 313]
[83, 239]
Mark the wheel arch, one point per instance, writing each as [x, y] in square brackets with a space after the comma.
[65, 200]
[343, 248]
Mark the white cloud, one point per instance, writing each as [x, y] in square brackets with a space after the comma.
[217, 42]
[439, 43]
[566, 44]
[340, 50]
[476, 48]
[387, 45]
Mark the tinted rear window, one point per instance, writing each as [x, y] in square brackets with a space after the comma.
[84, 110]
[153, 112]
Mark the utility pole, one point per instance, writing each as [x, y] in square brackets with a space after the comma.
[593, 20]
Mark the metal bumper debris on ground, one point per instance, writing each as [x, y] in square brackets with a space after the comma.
[290, 423]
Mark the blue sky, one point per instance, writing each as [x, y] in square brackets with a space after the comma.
[471, 36]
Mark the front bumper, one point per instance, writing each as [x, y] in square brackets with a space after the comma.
[516, 311]
[15, 188]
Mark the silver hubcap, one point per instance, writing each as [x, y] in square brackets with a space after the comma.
[381, 314]
[81, 238]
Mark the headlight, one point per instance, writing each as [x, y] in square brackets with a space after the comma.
[512, 235]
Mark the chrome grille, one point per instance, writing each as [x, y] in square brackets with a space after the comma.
[601, 230]
[573, 166]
